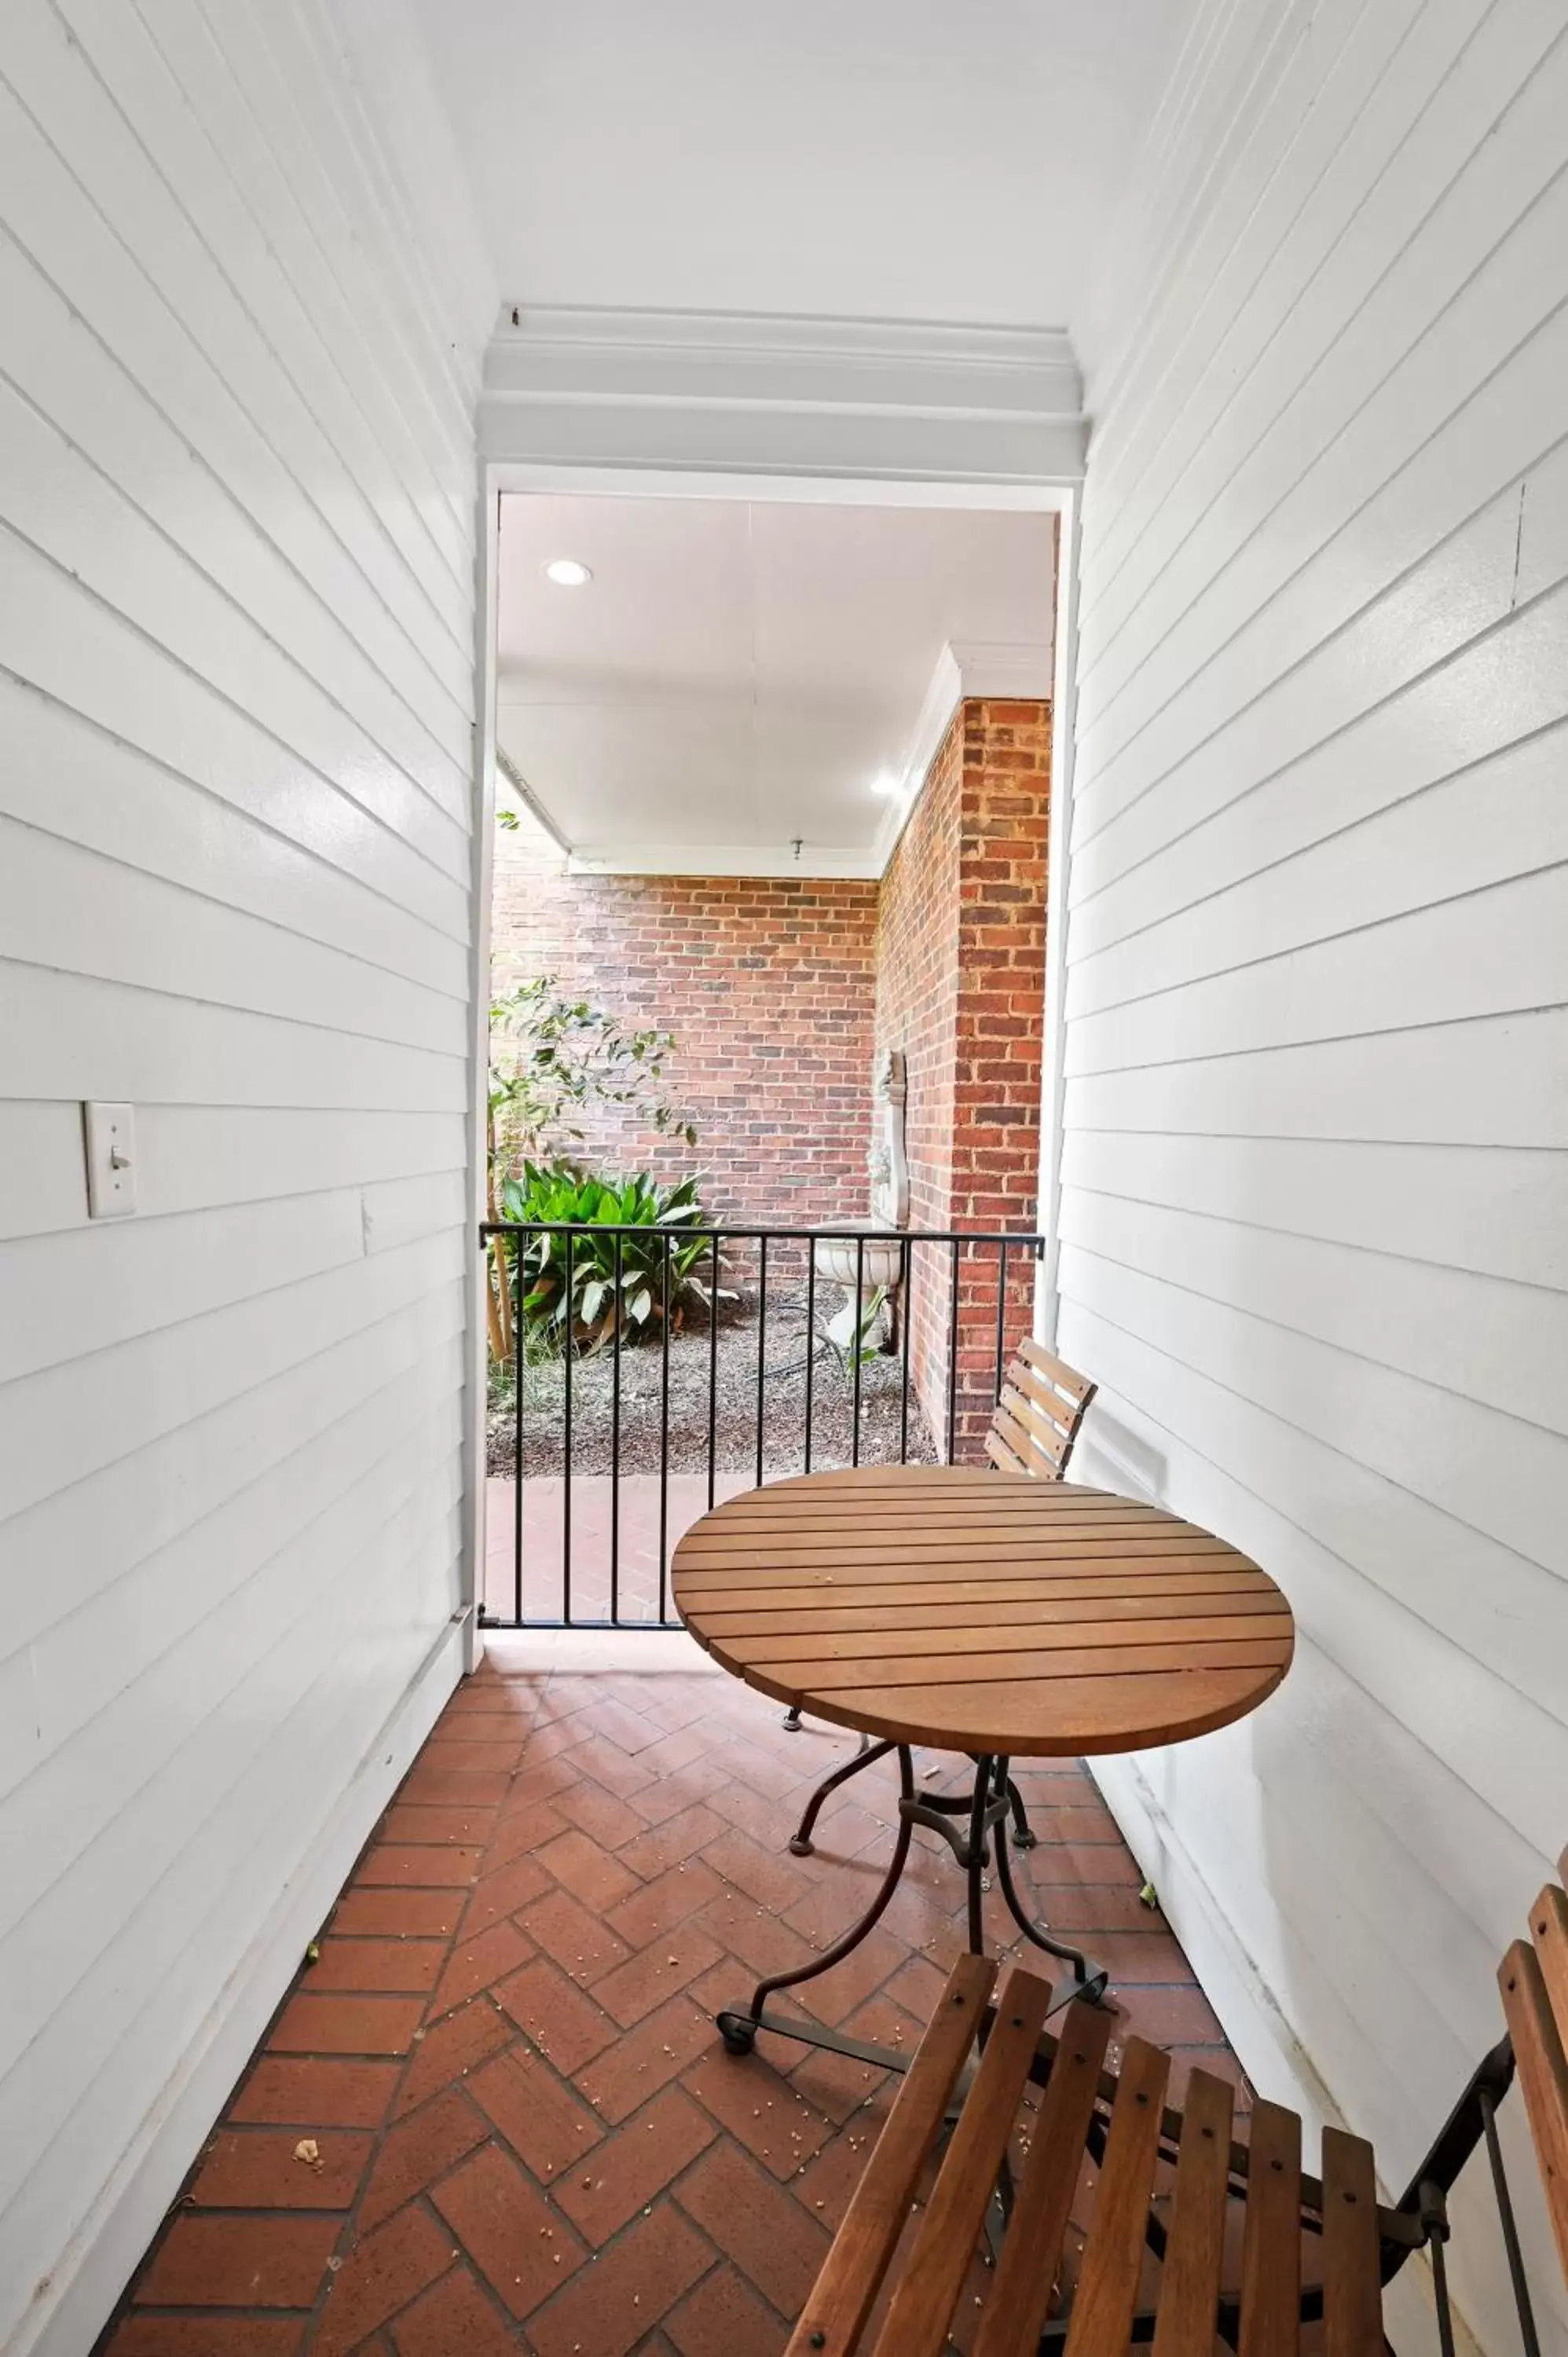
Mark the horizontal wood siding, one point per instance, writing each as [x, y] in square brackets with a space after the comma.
[237, 518]
[1315, 1180]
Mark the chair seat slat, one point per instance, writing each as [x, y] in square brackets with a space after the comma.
[1271, 2248]
[1101, 2317]
[1352, 2291]
[1020, 2296]
[922, 2306]
[1189, 2286]
[1544, 2075]
[834, 2316]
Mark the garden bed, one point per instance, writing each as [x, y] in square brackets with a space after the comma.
[722, 1367]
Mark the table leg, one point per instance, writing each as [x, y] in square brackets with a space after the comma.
[991, 1801]
[1092, 1979]
[739, 2030]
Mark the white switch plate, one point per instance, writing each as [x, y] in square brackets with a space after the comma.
[111, 1133]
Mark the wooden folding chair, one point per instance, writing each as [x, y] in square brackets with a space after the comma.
[1121, 2121]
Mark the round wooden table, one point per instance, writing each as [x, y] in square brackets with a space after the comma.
[982, 1613]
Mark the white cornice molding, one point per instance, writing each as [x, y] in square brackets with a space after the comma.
[565, 385]
[701, 859]
[970, 668]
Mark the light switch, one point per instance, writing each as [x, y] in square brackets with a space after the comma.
[111, 1133]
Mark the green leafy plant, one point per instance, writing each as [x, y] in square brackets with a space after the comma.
[551, 1059]
[862, 1342]
[610, 1290]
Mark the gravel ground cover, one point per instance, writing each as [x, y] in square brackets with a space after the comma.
[725, 1365]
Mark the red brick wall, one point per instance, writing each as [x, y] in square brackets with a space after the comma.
[768, 985]
[961, 981]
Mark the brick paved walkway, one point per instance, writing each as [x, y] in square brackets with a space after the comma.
[526, 2134]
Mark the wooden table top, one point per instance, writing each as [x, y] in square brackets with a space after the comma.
[983, 1611]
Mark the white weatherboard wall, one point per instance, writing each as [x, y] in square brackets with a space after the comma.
[1315, 1211]
[237, 519]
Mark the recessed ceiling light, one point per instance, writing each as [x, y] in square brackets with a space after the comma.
[567, 573]
[886, 784]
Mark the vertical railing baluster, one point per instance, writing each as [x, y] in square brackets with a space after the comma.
[615, 1439]
[811, 1337]
[952, 1353]
[905, 1311]
[566, 1451]
[517, 1364]
[761, 1343]
[854, 1345]
[713, 1361]
[664, 1444]
[1000, 1316]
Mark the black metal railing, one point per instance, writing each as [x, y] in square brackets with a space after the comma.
[653, 1370]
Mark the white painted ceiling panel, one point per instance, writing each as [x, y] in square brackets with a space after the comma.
[738, 673]
[862, 158]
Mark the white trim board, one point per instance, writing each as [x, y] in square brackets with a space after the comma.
[721, 859]
[773, 394]
[110, 2240]
[974, 669]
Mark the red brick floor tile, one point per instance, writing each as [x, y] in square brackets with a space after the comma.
[577, 1940]
[418, 1821]
[1169, 2016]
[520, 1832]
[614, 2304]
[666, 1967]
[397, 1914]
[596, 1879]
[239, 2263]
[420, 2149]
[627, 2173]
[599, 1813]
[646, 2058]
[346, 2025]
[563, 2022]
[375, 1966]
[260, 2168]
[538, 2113]
[725, 2318]
[774, 2122]
[478, 1963]
[505, 1892]
[657, 1848]
[406, 1867]
[667, 1899]
[823, 2186]
[312, 2094]
[386, 2270]
[763, 1943]
[432, 1781]
[769, 1878]
[451, 2049]
[207, 2336]
[455, 2318]
[640, 1818]
[755, 2223]
[503, 2223]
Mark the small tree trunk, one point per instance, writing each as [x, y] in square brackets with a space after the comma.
[498, 1282]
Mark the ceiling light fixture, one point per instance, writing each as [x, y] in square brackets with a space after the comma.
[567, 573]
[886, 783]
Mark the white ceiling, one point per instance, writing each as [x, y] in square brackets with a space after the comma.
[737, 674]
[858, 159]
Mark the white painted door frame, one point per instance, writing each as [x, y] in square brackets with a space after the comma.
[499, 476]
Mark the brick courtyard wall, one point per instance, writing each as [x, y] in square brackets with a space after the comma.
[961, 983]
[768, 985]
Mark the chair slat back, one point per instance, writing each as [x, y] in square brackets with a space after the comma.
[1534, 1980]
[1036, 1420]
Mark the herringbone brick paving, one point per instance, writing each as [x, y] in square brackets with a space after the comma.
[525, 2133]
